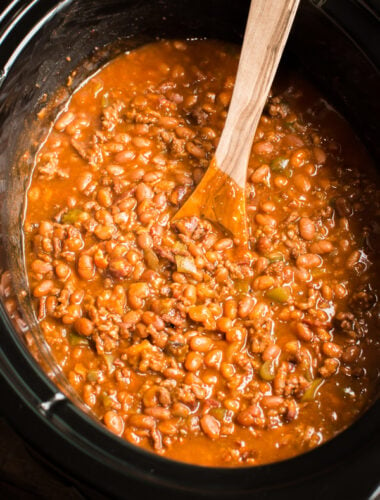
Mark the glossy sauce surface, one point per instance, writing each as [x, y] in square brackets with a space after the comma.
[178, 340]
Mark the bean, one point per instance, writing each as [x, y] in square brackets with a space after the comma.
[200, 343]
[332, 350]
[351, 353]
[280, 181]
[272, 401]
[144, 240]
[302, 183]
[230, 309]
[125, 156]
[141, 142]
[343, 207]
[158, 412]
[235, 334]
[263, 148]
[299, 157]
[321, 247]
[43, 288]
[184, 133]
[143, 192]
[340, 291]
[120, 268]
[214, 358]
[292, 141]
[86, 267]
[263, 282]
[319, 155]
[223, 244]
[261, 174]
[227, 370]
[195, 150]
[168, 122]
[114, 422]
[210, 426]
[224, 324]
[141, 421]
[307, 229]
[193, 361]
[271, 352]
[268, 207]
[150, 177]
[41, 267]
[136, 293]
[246, 305]
[304, 332]
[64, 120]
[115, 170]
[83, 181]
[45, 228]
[62, 271]
[308, 260]
[104, 232]
[353, 259]
[224, 98]
[84, 326]
[248, 416]
[232, 404]
[265, 220]
[104, 197]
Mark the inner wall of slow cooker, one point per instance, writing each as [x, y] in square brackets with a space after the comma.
[82, 38]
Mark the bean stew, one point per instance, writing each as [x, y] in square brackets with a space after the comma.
[177, 339]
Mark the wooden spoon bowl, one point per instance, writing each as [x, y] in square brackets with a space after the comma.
[220, 196]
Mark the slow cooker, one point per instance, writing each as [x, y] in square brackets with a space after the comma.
[45, 44]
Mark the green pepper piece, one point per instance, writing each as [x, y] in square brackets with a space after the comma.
[71, 216]
[75, 339]
[279, 164]
[151, 259]
[92, 375]
[267, 371]
[242, 286]
[275, 257]
[279, 294]
[218, 413]
[312, 390]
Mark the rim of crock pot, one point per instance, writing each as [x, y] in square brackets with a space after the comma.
[63, 412]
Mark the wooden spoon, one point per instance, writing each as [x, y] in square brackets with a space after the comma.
[220, 196]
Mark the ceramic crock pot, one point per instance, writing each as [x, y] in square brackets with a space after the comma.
[336, 44]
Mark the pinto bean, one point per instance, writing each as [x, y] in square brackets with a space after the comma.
[141, 421]
[321, 247]
[261, 174]
[332, 350]
[41, 267]
[263, 282]
[210, 426]
[308, 260]
[86, 267]
[114, 422]
[64, 120]
[271, 352]
[304, 332]
[263, 148]
[302, 183]
[200, 343]
[84, 326]
[43, 288]
[307, 229]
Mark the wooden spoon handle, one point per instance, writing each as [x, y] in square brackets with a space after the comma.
[266, 32]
